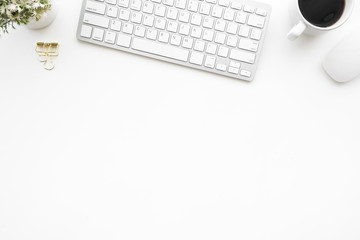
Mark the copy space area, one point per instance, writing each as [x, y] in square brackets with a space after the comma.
[111, 145]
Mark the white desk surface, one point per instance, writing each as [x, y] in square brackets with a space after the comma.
[111, 145]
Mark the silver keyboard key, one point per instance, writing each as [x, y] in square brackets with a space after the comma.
[98, 34]
[96, 20]
[123, 40]
[110, 37]
[197, 58]
[242, 56]
[256, 21]
[95, 7]
[86, 31]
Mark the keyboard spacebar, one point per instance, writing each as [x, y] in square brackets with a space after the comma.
[160, 49]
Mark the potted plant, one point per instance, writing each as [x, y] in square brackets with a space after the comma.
[33, 13]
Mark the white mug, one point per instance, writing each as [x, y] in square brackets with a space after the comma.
[304, 26]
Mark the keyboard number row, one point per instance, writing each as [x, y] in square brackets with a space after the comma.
[172, 13]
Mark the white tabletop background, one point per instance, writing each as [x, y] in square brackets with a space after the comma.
[112, 145]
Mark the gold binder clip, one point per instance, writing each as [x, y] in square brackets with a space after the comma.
[46, 52]
[40, 50]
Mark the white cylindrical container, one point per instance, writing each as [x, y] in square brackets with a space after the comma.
[46, 19]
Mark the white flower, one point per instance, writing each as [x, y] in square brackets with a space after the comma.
[12, 7]
[8, 14]
[36, 5]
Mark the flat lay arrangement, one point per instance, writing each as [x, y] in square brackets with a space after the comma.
[223, 37]
[179, 119]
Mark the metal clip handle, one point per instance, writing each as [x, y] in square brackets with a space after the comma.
[46, 52]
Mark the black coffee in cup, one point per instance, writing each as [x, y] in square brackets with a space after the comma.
[322, 13]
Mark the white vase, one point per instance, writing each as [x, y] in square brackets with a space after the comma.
[46, 19]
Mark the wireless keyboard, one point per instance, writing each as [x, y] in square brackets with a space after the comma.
[218, 36]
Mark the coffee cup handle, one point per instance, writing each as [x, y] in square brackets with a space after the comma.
[296, 31]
